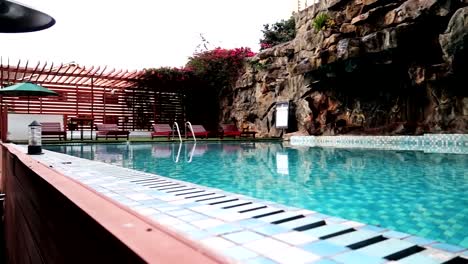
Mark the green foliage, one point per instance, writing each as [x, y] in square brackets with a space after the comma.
[277, 33]
[321, 21]
[207, 74]
[257, 65]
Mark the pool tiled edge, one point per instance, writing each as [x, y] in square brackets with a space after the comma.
[246, 229]
[430, 143]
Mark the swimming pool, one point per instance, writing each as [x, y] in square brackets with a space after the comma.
[414, 192]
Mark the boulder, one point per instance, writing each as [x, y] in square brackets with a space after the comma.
[380, 41]
[347, 28]
[347, 48]
[454, 41]
[409, 10]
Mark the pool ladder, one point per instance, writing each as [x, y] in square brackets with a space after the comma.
[190, 156]
[175, 127]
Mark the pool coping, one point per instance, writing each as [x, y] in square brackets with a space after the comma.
[226, 231]
[428, 143]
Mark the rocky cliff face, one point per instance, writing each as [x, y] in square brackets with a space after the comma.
[379, 66]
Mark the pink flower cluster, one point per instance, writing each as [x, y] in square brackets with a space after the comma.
[265, 45]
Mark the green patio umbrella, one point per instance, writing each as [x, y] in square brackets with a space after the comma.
[26, 89]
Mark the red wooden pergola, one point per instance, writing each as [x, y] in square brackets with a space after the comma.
[97, 92]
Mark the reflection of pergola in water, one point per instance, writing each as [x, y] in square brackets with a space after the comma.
[106, 94]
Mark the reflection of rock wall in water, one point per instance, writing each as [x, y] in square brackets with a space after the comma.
[383, 67]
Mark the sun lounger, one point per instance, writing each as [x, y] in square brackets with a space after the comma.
[110, 130]
[229, 130]
[198, 130]
[161, 130]
[53, 129]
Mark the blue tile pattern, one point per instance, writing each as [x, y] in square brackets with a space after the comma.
[448, 247]
[429, 143]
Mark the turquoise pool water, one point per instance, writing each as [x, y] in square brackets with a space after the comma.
[414, 192]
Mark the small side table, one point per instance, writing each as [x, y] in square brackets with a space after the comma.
[248, 134]
[80, 121]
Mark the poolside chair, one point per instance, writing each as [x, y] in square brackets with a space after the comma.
[229, 130]
[53, 129]
[110, 130]
[198, 130]
[161, 130]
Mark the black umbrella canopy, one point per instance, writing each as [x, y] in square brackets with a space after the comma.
[26, 89]
[17, 18]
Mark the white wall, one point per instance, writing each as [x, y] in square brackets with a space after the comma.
[18, 124]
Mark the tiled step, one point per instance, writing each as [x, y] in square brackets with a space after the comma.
[190, 192]
[245, 207]
[327, 230]
[172, 187]
[215, 200]
[386, 248]
[262, 212]
[233, 203]
[143, 181]
[420, 258]
[181, 190]
[278, 217]
[208, 194]
[217, 196]
[353, 238]
[304, 223]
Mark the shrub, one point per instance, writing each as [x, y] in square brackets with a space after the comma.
[219, 68]
[257, 65]
[277, 33]
[321, 21]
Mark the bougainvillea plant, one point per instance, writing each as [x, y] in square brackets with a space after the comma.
[277, 33]
[206, 75]
[219, 68]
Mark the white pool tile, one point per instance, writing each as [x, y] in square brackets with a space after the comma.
[207, 223]
[293, 255]
[266, 246]
[217, 243]
[294, 238]
[146, 211]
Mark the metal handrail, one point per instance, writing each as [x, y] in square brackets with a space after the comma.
[191, 129]
[178, 131]
[192, 151]
[176, 160]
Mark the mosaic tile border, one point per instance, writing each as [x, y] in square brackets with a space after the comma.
[429, 143]
[246, 229]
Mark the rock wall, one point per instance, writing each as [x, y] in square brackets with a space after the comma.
[378, 67]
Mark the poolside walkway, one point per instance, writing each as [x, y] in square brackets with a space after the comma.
[246, 229]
